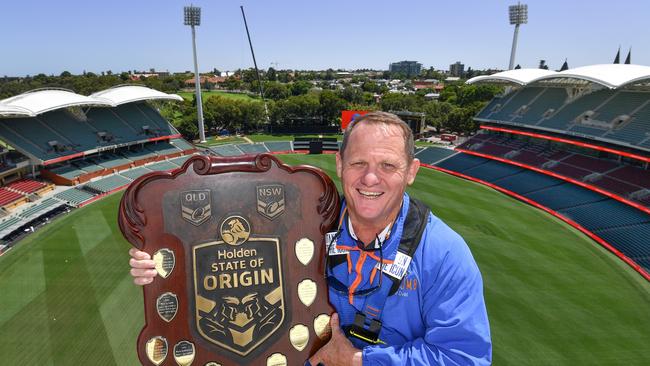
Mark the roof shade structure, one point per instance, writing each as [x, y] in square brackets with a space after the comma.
[11, 111]
[512, 77]
[611, 76]
[44, 100]
[131, 93]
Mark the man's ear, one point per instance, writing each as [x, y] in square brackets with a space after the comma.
[339, 164]
[412, 171]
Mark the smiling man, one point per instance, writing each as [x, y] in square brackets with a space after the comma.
[405, 286]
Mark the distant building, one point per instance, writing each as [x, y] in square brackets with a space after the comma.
[408, 68]
[457, 69]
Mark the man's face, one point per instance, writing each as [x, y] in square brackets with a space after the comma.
[374, 173]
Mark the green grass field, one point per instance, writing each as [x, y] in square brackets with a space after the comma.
[207, 94]
[554, 297]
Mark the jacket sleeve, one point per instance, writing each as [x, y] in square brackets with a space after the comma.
[453, 309]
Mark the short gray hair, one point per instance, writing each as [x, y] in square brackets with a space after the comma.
[386, 119]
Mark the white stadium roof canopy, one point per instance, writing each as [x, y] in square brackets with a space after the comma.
[132, 93]
[518, 76]
[35, 102]
[44, 100]
[608, 75]
[8, 111]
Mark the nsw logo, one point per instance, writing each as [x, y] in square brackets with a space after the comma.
[270, 200]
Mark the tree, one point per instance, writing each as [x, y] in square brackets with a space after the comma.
[436, 113]
[274, 90]
[352, 94]
[300, 87]
[331, 106]
[401, 102]
[271, 74]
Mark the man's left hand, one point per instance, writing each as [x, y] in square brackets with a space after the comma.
[339, 351]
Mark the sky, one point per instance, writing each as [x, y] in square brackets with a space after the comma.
[120, 35]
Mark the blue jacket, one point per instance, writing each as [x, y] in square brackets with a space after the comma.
[437, 316]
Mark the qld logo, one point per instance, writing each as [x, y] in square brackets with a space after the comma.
[195, 206]
[270, 200]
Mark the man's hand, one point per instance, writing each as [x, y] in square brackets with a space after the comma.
[339, 351]
[142, 267]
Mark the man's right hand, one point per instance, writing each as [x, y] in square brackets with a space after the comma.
[142, 267]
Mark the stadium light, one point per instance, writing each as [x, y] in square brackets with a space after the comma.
[518, 15]
[193, 19]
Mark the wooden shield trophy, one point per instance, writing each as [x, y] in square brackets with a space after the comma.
[239, 247]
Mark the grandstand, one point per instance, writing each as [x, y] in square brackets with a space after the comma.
[598, 215]
[71, 139]
[575, 143]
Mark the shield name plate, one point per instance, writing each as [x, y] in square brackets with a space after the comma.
[244, 238]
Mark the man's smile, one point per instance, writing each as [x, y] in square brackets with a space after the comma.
[370, 195]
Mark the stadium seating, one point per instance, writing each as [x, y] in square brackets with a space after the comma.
[26, 186]
[74, 196]
[551, 99]
[624, 102]
[41, 208]
[606, 213]
[492, 171]
[63, 124]
[107, 184]
[162, 148]
[462, 162]
[142, 122]
[135, 153]
[432, 155]
[636, 130]
[8, 197]
[67, 171]
[226, 150]
[632, 174]
[604, 173]
[151, 114]
[569, 112]
[521, 97]
[106, 120]
[275, 146]
[622, 226]
[180, 160]
[182, 144]
[109, 161]
[10, 224]
[30, 137]
[135, 173]
[252, 148]
[162, 165]
[528, 181]
[564, 195]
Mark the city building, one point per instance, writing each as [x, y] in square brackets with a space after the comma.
[457, 69]
[408, 68]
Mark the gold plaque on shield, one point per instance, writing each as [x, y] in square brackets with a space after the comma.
[184, 353]
[276, 359]
[167, 306]
[165, 262]
[322, 326]
[156, 350]
[307, 291]
[304, 250]
[299, 336]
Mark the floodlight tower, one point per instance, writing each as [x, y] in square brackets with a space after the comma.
[193, 18]
[518, 15]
